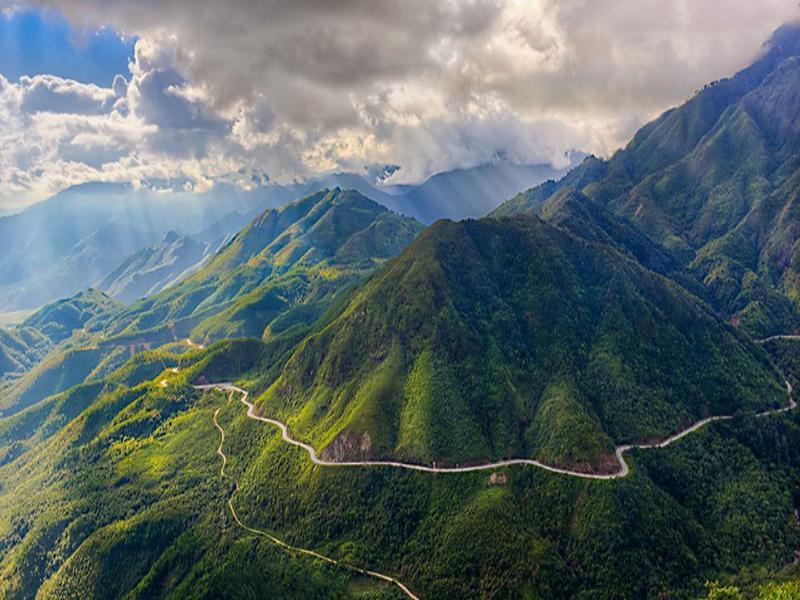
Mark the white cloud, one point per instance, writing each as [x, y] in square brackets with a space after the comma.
[292, 87]
[46, 93]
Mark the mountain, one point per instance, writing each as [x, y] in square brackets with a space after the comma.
[80, 266]
[285, 268]
[471, 193]
[279, 274]
[459, 194]
[60, 246]
[20, 350]
[152, 268]
[123, 477]
[222, 229]
[714, 182]
[71, 241]
[60, 319]
[490, 339]
[51, 350]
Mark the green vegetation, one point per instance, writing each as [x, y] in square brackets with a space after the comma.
[563, 432]
[125, 499]
[600, 319]
[285, 268]
[117, 478]
[25, 346]
[714, 183]
[459, 351]
[60, 319]
[20, 350]
[786, 354]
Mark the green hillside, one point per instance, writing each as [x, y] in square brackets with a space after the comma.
[287, 264]
[59, 319]
[20, 350]
[498, 338]
[119, 494]
[714, 182]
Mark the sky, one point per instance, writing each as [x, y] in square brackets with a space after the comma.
[190, 92]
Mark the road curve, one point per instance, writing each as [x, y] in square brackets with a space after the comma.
[619, 451]
[285, 545]
[220, 450]
[795, 337]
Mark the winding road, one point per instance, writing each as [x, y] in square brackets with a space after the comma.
[623, 471]
[619, 451]
[280, 542]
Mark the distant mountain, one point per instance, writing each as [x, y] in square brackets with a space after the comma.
[279, 274]
[471, 193]
[460, 194]
[60, 246]
[715, 183]
[489, 339]
[83, 264]
[225, 227]
[283, 269]
[152, 268]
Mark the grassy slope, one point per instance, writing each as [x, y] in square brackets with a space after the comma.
[714, 181]
[452, 353]
[20, 350]
[126, 499]
[287, 263]
[59, 319]
[118, 478]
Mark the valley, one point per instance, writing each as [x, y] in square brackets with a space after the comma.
[510, 380]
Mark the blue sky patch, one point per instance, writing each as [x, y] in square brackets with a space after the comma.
[32, 42]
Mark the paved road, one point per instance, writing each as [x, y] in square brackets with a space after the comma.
[280, 542]
[251, 413]
[619, 451]
[779, 337]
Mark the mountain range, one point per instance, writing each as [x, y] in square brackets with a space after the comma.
[153, 268]
[89, 234]
[714, 184]
[613, 310]
[459, 351]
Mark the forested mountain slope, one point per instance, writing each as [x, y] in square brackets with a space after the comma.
[287, 264]
[20, 350]
[113, 489]
[715, 183]
[498, 338]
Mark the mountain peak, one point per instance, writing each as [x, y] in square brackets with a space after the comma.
[170, 237]
[785, 40]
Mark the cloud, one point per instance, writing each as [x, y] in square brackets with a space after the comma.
[46, 93]
[294, 87]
